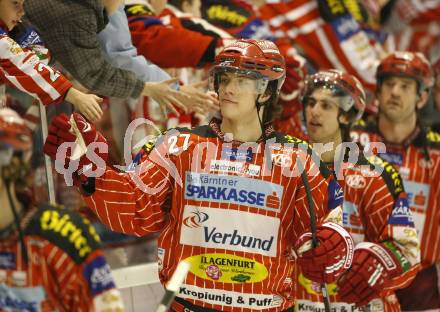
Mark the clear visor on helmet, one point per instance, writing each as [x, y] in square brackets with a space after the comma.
[344, 100]
[247, 81]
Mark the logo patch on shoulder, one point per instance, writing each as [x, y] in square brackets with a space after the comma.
[98, 274]
[401, 213]
[7, 260]
[335, 195]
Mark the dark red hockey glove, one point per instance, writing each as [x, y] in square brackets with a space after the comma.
[331, 258]
[95, 149]
[373, 266]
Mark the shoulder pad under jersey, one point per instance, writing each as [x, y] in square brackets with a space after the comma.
[285, 138]
[433, 139]
[65, 229]
[388, 173]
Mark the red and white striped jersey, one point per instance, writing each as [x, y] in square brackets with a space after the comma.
[232, 211]
[418, 162]
[65, 271]
[330, 36]
[22, 69]
[376, 210]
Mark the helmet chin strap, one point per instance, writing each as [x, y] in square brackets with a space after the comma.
[259, 105]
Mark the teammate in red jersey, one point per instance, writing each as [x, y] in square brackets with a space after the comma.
[235, 211]
[23, 70]
[375, 209]
[404, 80]
[50, 257]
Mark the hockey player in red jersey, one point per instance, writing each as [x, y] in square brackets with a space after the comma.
[50, 257]
[22, 69]
[225, 197]
[404, 80]
[375, 209]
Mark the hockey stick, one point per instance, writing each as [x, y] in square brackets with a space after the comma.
[47, 161]
[173, 285]
[315, 241]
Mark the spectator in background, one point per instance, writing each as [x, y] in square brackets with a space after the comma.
[22, 68]
[70, 28]
[180, 46]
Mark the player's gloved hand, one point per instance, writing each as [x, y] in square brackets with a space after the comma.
[332, 257]
[373, 266]
[77, 129]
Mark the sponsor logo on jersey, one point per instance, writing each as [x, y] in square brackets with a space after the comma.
[98, 274]
[355, 181]
[240, 168]
[404, 172]
[7, 260]
[281, 159]
[195, 219]
[350, 216]
[281, 155]
[226, 268]
[395, 159]
[401, 213]
[233, 190]
[160, 257]
[110, 300]
[21, 299]
[345, 27]
[136, 161]
[335, 195]
[230, 298]
[236, 154]
[244, 231]
[14, 48]
[426, 164]
[306, 305]
[418, 194]
[314, 288]
[61, 223]
[19, 278]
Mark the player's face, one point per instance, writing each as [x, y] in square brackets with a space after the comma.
[237, 96]
[193, 7]
[321, 111]
[398, 98]
[158, 5]
[11, 12]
